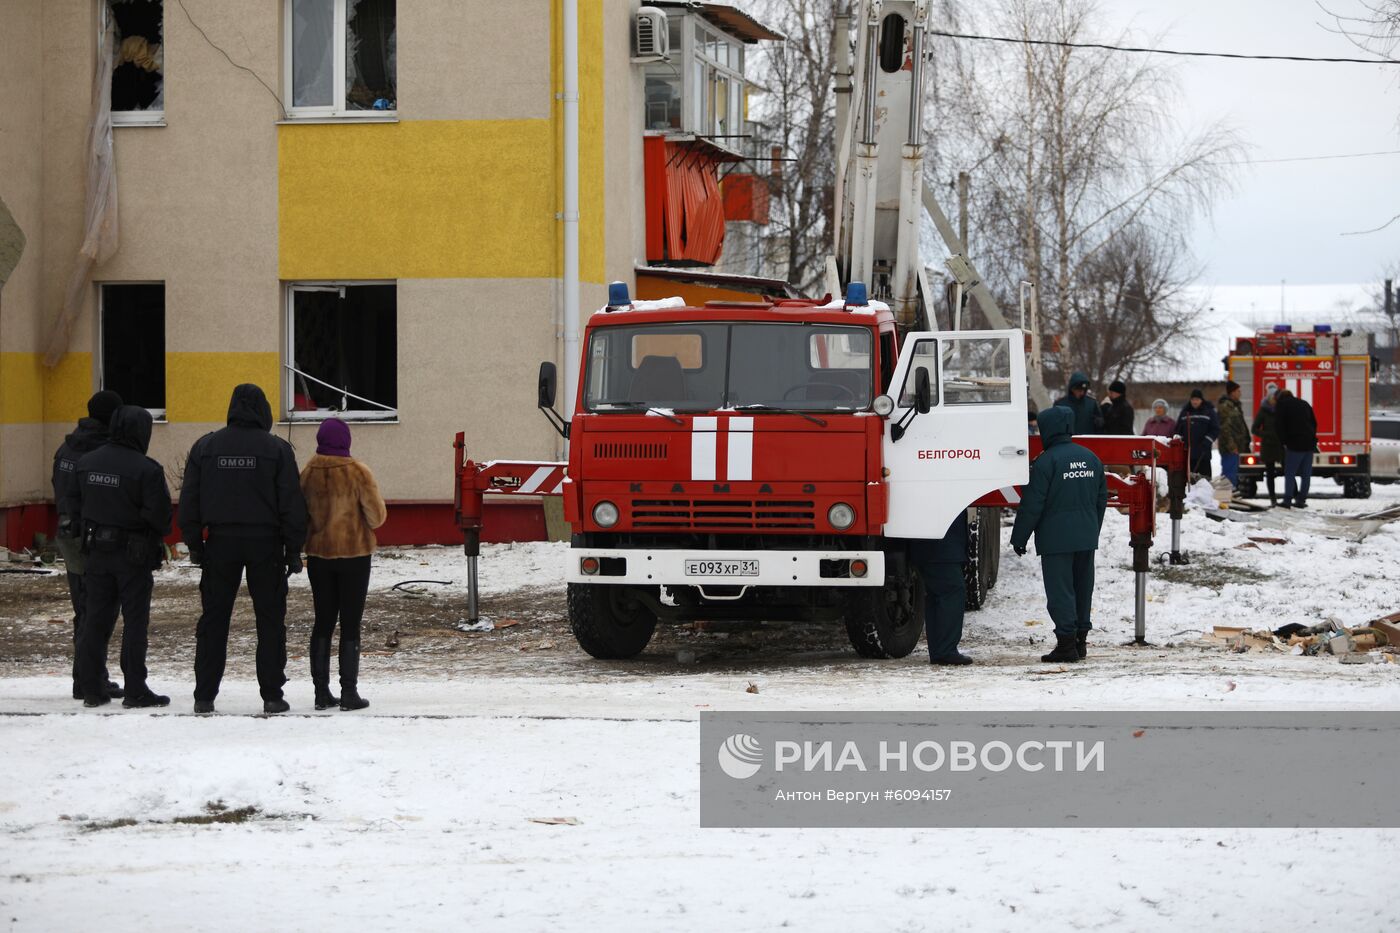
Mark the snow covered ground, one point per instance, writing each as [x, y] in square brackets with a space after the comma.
[419, 815]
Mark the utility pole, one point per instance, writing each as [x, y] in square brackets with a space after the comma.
[964, 179]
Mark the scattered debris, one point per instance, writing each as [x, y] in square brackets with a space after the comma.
[1381, 638]
[751, 688]
[554, 820]
[393, 640]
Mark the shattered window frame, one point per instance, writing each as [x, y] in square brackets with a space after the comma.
[298, 390]
[138, 57]
[346, 102]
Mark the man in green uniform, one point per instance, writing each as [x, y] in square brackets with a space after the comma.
[1063, 504]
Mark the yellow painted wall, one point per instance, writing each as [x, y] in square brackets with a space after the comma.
[198, 385]
[416, 199]
[445, 198]
[32, 394]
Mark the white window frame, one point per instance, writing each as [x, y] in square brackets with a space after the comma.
[700, 119]
[133, 117]
[289, 374]
[157, 414]
[337, 109]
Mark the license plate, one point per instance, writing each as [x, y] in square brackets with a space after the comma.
[721, 568]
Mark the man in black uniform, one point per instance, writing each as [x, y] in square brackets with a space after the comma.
[125, 507]
[90, 434]
[241, 483]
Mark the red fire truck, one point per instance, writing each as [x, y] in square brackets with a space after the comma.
[774, 460]
[1330, 371]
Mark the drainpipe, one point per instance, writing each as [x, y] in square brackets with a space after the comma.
[571, 264]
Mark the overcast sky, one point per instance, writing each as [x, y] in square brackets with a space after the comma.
[1286, 219]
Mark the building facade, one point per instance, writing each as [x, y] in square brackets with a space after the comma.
[355, 204]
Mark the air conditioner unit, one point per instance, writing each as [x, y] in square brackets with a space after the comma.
[651, 38]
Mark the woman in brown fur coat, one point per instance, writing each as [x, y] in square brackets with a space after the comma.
[344, 508]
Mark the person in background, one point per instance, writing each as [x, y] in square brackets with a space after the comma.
[1199, 426]
[1297, 429]
[1063, 505]
[90, 434]
[241, 484]
[1234, 433]
[1265, 427]
[343, 509]
[1118, 414]
[1032, 428]
[1087, 418]
[125, 507]
[941, 563]
[1160, 424]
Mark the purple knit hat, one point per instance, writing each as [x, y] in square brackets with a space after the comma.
[333, 438]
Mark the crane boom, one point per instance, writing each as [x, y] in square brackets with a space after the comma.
[880, 196]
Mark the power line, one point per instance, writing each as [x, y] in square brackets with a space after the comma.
[1147, 51]
[1320, 158]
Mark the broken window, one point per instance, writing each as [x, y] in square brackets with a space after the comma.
[138, 69]
[343, 348]
[343, 56]
[132, 361]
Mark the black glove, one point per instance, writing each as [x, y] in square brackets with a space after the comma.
[293, 559]
[1020, 549]
[196, 553]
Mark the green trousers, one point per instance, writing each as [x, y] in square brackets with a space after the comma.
[1069, 590]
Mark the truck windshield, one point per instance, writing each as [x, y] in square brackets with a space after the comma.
[703, 367]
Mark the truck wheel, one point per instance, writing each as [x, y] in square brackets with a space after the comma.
[1248, 489]
[609, 622]
[886, 622]
[1357, 487]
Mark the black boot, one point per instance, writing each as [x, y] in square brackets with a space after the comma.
[1066, 650]
[350, 676]
[145, 700]
[273, 707]
[320, 653]
[1081, 642]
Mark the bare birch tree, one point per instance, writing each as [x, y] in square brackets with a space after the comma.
[1082, 177]
[798, 112]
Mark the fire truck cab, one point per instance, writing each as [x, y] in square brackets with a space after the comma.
[773, 460]
[1330, 371]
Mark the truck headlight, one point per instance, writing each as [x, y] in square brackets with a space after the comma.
[841, 516]
[605, 514]
[883, 405]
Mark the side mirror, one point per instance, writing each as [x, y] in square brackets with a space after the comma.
[548, 385]
[547, 390]
[923, 391]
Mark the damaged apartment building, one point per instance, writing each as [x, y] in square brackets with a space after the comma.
[355, 204]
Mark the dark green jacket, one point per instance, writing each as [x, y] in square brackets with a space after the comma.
[1065, 500]
[1088, 417]
[1234, 433]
